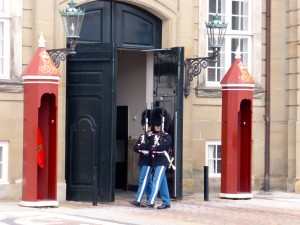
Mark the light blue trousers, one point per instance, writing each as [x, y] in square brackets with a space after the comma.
[145, 183]
[160, 184]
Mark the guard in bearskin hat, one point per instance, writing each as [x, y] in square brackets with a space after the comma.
[142, 147]
[160, 143]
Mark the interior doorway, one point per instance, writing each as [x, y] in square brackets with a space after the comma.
[131, 92]
[148, 79]
[121, 148]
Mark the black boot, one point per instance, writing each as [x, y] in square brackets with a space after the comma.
[137, 204]
[163, 206]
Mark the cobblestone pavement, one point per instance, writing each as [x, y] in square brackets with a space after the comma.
[264, 208]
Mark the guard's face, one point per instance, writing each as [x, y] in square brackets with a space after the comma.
[157, 128]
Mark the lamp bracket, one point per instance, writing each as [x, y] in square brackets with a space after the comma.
[58, 55]
[194, 66]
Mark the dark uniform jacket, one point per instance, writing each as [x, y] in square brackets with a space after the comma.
[158, 149]
[143, 143]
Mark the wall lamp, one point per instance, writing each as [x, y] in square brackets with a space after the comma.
[72, 18]
[216, 30]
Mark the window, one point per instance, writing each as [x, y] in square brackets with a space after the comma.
[3, 162]
[213, 157]
[238, 35]
[4, 39]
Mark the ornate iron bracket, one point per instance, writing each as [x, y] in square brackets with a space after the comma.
[193, 68]
[58, 55]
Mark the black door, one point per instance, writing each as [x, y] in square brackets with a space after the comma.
[168, 83]
[126, 25]
[90, 123]
[122, 147]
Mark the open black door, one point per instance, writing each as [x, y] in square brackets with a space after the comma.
[168, 93]
[90, 123]
[121, 147]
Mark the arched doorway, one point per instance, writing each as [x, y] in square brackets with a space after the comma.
[107, 89]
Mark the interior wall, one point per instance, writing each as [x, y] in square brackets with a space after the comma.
[131, 88]
[149, 79]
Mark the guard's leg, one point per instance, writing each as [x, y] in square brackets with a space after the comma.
[164, 191]
[157, 179]
[144, 175]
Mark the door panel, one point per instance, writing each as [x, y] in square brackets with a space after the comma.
[83, 137]
[90, 128]
[98, 20]
[125, 25]
[137, 28]
[168, 83]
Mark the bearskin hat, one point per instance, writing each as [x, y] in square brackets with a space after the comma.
[156, 117]
[145, 114]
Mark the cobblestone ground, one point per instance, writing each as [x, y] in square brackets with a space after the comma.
[264, 208]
